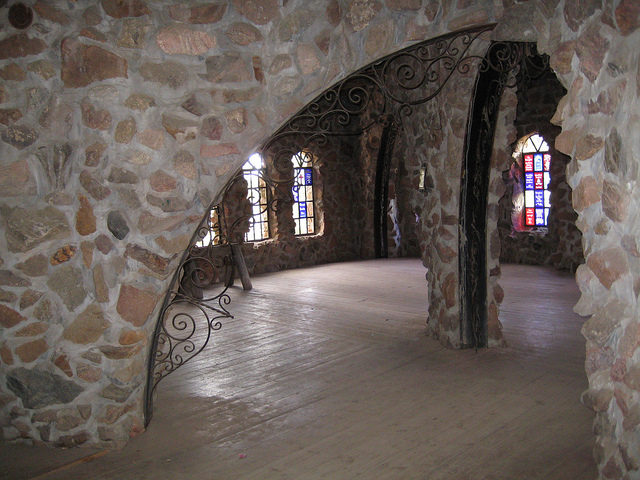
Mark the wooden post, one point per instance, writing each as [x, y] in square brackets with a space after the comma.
[238, 260]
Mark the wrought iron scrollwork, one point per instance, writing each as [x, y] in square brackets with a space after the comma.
[382, 93]
[195, 305]
[391, 87]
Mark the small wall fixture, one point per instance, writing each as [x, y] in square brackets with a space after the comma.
[425, 182]
[423, 174]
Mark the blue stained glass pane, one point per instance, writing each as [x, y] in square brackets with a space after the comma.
[303, 210]
[295, 193]
[539, 198]
[308, 177]
[537, 162]
[539, 216]
[528, 181]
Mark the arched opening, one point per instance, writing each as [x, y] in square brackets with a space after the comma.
[533, 92]
[362, 113]
[278, 175]
[370, 106]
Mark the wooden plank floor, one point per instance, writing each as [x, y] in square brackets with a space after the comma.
[326, 372]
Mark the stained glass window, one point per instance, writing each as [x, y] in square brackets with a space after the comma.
[537, 176]
[303, 208]
[257, 194]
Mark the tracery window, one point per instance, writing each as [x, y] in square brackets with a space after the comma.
[536, 161]
[303, 204]
[253, 173]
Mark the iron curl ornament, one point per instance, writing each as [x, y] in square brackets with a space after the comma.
[397, 83]
[193, 309]
[385, 93]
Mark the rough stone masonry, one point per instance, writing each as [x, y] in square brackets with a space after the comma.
[122, 120]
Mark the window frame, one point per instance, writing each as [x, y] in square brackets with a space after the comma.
[536, 161]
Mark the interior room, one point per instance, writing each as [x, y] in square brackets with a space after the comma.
[344, 239]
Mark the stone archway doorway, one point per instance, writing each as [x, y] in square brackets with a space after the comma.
[381, 95]
[506, 64]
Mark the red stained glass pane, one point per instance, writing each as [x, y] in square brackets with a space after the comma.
[547, 162]
[530, 216]
[528, 163]
[539, 181]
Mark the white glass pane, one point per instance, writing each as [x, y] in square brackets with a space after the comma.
[544, 147]
[528, 198]
[529, 146]
[535, 143]
[255, 161]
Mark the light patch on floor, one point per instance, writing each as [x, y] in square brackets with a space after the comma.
[326, 372]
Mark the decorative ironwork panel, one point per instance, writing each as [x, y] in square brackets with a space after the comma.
[195, 305]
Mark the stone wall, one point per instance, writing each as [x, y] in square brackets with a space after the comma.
[594, 53]
[121, 122]
[345, 171]
[366, 157]
[500, 160]
[560, 244]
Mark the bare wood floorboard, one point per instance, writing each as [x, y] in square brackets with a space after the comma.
[326, 372]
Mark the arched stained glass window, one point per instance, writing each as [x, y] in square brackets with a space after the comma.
[303, 205]
[252, 171]
[536, 162]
